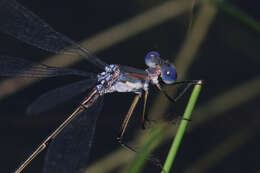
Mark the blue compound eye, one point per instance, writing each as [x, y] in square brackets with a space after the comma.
[169, 74]
[152, 59]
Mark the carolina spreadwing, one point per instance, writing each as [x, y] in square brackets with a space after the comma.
[69, 151]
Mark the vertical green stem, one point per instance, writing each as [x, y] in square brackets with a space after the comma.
[152, 142]
[184, 122]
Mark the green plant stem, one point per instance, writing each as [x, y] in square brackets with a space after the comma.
[144, 154]
[240, 15]
[237, 14]
[184, 122]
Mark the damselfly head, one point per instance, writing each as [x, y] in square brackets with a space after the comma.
[167, 70]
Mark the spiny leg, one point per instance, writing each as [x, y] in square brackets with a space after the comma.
[126, 120]
[153, 160]
[144, 117]
[189, 84]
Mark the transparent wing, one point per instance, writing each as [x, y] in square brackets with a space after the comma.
[59, 95]
[12, 66]
[68, 153]
[24, 25]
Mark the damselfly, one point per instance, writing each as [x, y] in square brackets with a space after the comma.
[65, 154]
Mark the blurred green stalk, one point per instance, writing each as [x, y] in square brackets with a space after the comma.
[184, 122]
[240, 15]
[144, 154]
[237, 14]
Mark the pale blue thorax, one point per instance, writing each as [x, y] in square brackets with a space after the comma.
[116, 79]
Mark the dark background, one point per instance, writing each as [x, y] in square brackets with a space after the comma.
[227, 58]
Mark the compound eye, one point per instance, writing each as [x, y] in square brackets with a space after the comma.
[152, 59]
[169, 74]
